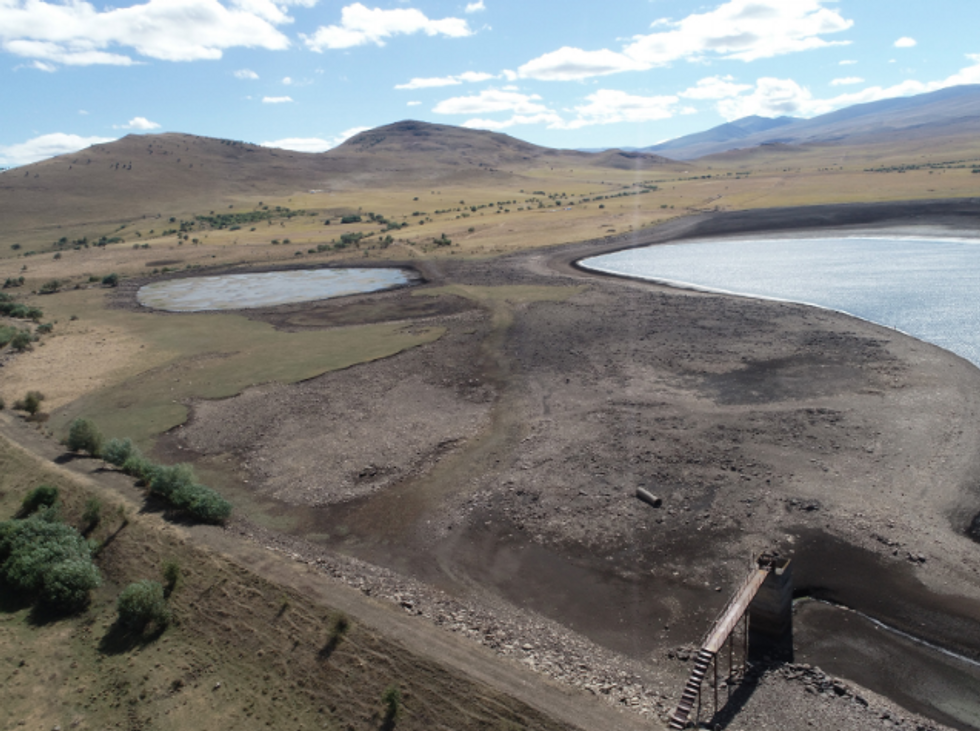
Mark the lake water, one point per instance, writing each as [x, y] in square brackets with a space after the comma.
[927, 288]
[266, 289]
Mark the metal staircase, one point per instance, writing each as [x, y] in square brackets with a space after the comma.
[714, 640]
[692, 690]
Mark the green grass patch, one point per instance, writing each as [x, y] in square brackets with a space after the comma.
[216, 356]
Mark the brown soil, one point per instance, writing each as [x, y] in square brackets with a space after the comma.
[487, 480]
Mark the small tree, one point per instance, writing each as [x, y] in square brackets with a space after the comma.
[22, 341]
[110, 280]
[141, 603]
[84, 436]
[31, 402]
[171, 574]
[93, 512]
[392, 701]
[117, 451]
[43, 496]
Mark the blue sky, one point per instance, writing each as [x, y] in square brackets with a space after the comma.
[306, 74]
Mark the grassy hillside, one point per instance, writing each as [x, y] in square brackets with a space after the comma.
[240, 653]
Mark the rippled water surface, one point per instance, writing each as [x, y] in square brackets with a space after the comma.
[266, 289]
[924, 287]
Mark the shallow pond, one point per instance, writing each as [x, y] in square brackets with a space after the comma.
[267, 289]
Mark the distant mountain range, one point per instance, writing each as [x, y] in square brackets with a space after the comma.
[942, 111]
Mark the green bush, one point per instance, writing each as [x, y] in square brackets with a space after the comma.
[92, 513]
[21, 341]
[48, 559]
[45, 329]
[138, 466]
[31, 403]
[141, 603]
[171, 574]
[110, 280]
[7, 334]
[391, 699]
[43, 496]
[117, 451]
[67, 584]
[84, 436]
[167, 481]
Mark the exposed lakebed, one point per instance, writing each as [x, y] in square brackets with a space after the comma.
[268, 289]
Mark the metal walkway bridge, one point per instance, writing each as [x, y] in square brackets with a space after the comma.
[721, 631]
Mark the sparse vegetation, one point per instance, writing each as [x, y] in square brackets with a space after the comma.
[84, 436]
[142, 603]
[47, 561]
[31, 403]
[43, 496]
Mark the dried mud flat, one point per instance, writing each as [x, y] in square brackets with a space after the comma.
[487, 480]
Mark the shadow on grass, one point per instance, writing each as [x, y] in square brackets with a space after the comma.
[119, 638]
[12, 601]
[69, 457]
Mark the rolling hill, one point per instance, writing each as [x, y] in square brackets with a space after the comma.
[938, 113]
[170, 174]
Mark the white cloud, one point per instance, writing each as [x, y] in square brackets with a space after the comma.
[140, 123]
[549, 118]
[770, 98]
[77, 33]
[360, 25]
[433, 82]
[44, 147]
[475, 7]
[608, 106]
[287, 81]
[44, 66]
[414, 104]
[905, 42]
[773, 97]
[276, 99]
[492, 100]
[569, 64]
[847, 81]
[246, 74]
[715, 87]
[314, 144]
[745, 30]
[847, 62]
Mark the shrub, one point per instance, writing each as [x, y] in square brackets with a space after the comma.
[7, 334]
[143, 602]
[117, 451]
[31, 403]
[50, 287]
[391, 699]
[138, 466]
[45, 329]
[92, 513]
[67, 584]
[21, 341]
[170, 480]
[171, 574]
[110, 280]
[48, 559]
[84, 436]
[43, 496]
